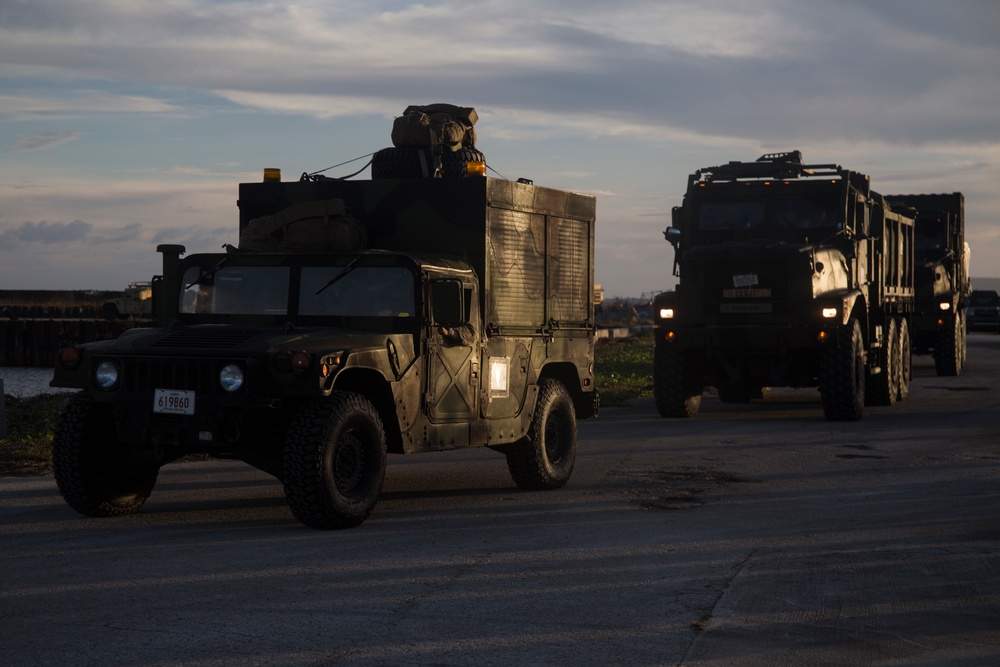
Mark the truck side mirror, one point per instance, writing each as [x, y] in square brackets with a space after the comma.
[673, 236]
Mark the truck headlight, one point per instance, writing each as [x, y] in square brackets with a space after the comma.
[830, 313]
[944, 305]
[106, 375]
[666, 313]
[231, 377]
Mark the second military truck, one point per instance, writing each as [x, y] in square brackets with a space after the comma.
[790, 275]
[942, 284]
[355, 318]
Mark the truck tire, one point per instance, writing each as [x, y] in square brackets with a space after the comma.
[544, 458]
[677, 383]
[842, 376]
[949, 347]
[883, 388]
[905, 358]
[95, 475]
[334, 461]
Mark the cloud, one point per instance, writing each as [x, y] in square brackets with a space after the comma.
[43, 140]
[46, 233]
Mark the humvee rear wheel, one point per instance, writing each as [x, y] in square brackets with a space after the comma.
[677, 383]
[883, 388]
[905, 358]
[544, 458]
[334, 461]
[96, 475]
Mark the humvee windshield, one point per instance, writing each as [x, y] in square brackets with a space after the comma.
[357, 291]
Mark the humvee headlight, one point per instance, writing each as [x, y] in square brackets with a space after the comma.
[830, 313]
[231, 377]
[106, 375]
[666, 313]
[944, 305]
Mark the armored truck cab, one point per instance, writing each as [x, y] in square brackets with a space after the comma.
[460, 314]
[789, 275]
[941, 280]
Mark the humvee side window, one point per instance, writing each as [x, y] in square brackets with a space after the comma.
[446, 302]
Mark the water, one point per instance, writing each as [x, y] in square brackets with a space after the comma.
[23, 381]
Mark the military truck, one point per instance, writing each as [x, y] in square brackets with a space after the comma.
[790, 275]
[355, 319]
[136, 302]
[941, 281]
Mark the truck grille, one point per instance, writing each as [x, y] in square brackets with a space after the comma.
[770, 278]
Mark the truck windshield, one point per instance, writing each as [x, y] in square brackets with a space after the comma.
[364, 291]
[768, 216]
[931, 241]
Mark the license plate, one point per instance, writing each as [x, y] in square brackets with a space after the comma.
[745, 308]
[173, 401]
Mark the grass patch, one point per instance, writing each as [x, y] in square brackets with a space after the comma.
[624, 368]
[31, 421]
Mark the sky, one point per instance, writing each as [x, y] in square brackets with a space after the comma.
[129, 123]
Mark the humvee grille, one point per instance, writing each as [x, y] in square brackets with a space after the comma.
[141, 375]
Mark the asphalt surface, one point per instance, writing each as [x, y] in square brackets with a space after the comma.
[750, 535]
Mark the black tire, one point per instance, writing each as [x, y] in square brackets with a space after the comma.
[394, 162]
[109, 311]
[96, 475]
[883, 388]
[677, 383]
[842, 376]
[905, 358]
[949, 347]
[334, 461]
[544, 458]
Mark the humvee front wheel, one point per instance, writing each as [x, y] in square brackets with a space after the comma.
[96, 475]
[544, 458]
[334, 461]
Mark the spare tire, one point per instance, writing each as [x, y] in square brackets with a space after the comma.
[395, 162]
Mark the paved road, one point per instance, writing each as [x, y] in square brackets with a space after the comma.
[754, 535]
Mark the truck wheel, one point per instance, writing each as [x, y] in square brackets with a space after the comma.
[95, 475]
[677, 383]
[949, 348]
[842, 376]
[109, 311]
[334, 461]
[905, 358]
[883, 388]
[544, 458]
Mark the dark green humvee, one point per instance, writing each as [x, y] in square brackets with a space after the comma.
[355, 318]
